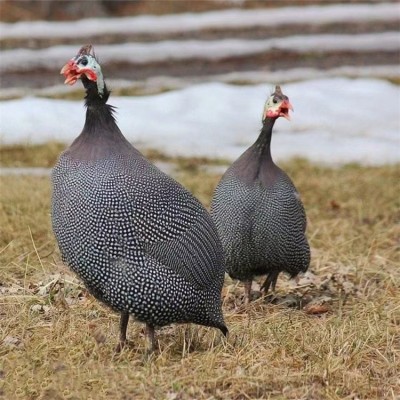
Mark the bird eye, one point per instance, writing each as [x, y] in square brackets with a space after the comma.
[84, 61]
[274, 100]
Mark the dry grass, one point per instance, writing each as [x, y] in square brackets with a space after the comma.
[39, 155]
[56, 342]
[45, 155]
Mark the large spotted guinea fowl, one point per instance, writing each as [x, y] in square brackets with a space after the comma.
[258, 212]
[141, 243]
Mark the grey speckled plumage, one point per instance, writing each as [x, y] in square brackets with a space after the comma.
[259, 215]
[141, 243]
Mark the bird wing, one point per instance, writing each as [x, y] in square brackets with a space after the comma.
[173, 227]
[194, 255]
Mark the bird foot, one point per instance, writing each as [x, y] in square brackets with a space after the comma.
[247, 292]
[149, 354]
[269, 297]
[119, 347]
[151, 338]
[123, 324]
[122, 345]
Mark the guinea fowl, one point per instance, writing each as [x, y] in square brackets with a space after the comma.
[141, 243]
[258, 212]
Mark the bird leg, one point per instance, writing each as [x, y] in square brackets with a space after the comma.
[247, 291]
[123, 324]
[150, 333]
[270, 282]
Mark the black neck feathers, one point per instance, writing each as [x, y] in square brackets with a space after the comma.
[256, 164]
[100, 118]
[100, 137]
[93, 97]
[262, 146]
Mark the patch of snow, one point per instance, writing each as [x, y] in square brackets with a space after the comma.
[57, 56]
[336, 120]
[233, 18]
[298, 74]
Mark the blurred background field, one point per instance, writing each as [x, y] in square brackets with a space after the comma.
[194, 84]
[190, 80]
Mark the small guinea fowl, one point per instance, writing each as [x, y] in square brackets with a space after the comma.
[141, 243]
[258, 212]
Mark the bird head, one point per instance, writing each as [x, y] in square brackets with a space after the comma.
[84, 64]
[277, 105]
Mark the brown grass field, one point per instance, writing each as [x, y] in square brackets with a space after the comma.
[333, 334]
